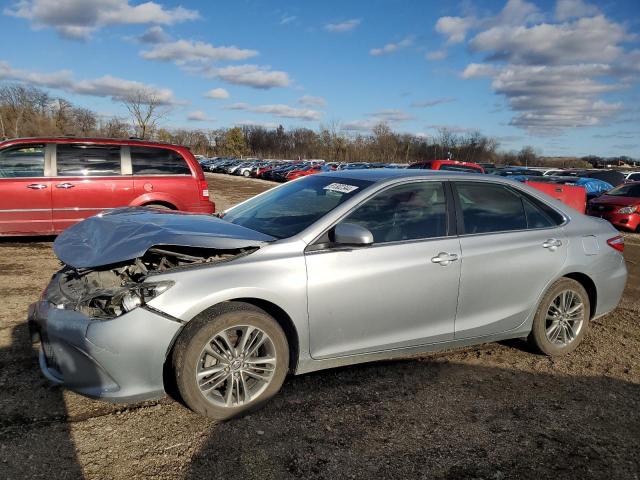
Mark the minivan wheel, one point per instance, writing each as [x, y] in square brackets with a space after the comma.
[562, 318]
[230, 360]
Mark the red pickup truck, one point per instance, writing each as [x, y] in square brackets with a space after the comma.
[48, 184]
[450, 165]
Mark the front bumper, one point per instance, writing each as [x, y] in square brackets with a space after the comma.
[118, 360]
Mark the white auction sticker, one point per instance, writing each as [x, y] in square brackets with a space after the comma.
[341, 187]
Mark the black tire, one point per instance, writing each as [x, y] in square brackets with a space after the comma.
[538, 337]
[246, 173]
[160, 206]
[199, 331]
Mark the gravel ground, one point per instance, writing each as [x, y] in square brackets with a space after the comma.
[496, 411]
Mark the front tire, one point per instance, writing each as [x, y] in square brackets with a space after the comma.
[562, 318]
[230, 360]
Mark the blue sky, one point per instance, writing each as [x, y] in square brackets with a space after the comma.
[559, 75]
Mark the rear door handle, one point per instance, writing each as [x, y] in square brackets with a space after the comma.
[552, 244]
[444, 258]
[37, 186]
[65, 185]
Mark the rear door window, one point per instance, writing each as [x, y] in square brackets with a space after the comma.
[490, 208]
[157, 161]
[22, 161]
[78, 160]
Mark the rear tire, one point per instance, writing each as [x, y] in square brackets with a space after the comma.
[246, 173]
[562, 318]
[160, 206]
[219, 370]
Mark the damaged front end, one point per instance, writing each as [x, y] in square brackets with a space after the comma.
[109, 291]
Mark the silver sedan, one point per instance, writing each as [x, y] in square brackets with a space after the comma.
[332, 269]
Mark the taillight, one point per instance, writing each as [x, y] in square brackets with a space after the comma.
[617, 242]
[204, 190]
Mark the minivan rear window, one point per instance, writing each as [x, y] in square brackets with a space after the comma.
[157, 161]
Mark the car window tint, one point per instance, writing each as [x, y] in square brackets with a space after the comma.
[76, 160]
[634, 176]
[490, 208]
[405, 212]
[536, 217]
[157, 161]
[22, 161]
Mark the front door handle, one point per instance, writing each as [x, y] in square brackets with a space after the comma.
[552, 244]
[444, 258]
[65, 185]
[37, 186]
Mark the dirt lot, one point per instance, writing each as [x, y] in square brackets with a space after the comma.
[492, 412]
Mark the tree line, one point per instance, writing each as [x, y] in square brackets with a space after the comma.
[30, 111]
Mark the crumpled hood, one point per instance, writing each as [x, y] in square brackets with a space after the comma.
[127, 233]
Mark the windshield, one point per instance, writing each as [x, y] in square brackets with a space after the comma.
[629, 190]
[287, 210]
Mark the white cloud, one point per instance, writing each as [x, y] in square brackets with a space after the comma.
[310, 101]
[436, 55]
[392, 47]
[198, 116]
[105, 86]
[552, 74]
[341, 27]
[78, 19]
[153, 35]
[185, 51]
[391, 115]
[388, 116]
[279, 110]
[454, 28]
[217, 93]
[255, 76]
[476, 70]
[566, 9]
[288, 19]
[257, 123]
[432, 102]
[593, 39]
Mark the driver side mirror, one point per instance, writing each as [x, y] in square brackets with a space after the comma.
[352, 234]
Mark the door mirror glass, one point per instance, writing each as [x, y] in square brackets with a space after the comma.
[352, 234]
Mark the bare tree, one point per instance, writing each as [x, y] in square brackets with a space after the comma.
[146, 108]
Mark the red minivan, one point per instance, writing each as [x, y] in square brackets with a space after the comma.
[48, 184]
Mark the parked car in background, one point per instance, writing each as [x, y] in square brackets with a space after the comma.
[449, 165]
[303, 172]
[621, 206]
[330, 270]
[49, 184]
[632, 176]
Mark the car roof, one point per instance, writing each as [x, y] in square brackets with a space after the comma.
[384, 174]
[98, 140]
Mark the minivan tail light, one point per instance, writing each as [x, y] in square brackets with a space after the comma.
[617, 242]
[204, 189]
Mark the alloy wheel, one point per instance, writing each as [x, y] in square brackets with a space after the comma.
[236, 365]
[565, 318]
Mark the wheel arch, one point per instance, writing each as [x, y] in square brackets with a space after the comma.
[590, 286]
[276, 312]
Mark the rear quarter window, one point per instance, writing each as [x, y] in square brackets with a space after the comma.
[157, 161]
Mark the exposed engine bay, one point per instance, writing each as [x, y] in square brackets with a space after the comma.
[109, 291]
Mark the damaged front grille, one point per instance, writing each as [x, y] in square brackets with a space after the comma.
[105, 292]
